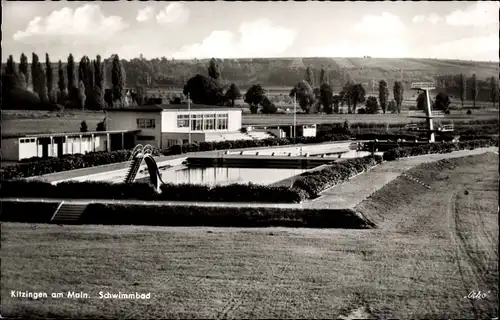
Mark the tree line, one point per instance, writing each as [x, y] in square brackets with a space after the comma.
[84, 87]
[81, 86]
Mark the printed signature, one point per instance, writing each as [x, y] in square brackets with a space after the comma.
[477, 295]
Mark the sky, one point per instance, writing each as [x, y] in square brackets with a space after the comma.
[188, 30]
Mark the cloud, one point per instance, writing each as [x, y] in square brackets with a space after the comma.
[375, 35]
[385, 23]
[479, 14]
[145, 14]
[259, 38]
[86, 23]
[475, 48]
[433, 18]
[176, 12]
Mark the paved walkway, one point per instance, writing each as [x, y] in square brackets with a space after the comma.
[164, 203]
[345, 195]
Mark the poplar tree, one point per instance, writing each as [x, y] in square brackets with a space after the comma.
[118, 81]
[49, 75]
[23, 67]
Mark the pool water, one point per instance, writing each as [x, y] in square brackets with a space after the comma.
[223, 176]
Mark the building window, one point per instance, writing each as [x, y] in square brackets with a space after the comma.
[146, 123]
[183, 121]
[197, 122]
[222, 121]
[209, 121]
[144, 138]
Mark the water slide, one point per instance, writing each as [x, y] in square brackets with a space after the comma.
[139, 154]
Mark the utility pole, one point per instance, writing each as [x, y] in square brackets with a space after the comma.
[294, 115]
[189, 111]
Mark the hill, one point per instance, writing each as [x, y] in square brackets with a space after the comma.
[285, 72]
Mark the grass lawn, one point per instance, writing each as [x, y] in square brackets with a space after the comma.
[432, 248]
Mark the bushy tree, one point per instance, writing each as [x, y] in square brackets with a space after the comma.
[204, 90]
[101, 126]
[398, 92]
[345, 95]
[255, 97]
[474, 90]
[23, 68]
[326, 93]
[268, 107]
[383, 94]
[494, 94]
[233, 93]
[442, 102]
[214, 69]
[118, 81]
[83, 126]
[372, 105]
[421, 101]
[462, 88]
[304, 95]
[356, 94]
[392, 107]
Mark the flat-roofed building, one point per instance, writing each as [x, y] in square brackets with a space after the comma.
[25, 146]
[166, 125]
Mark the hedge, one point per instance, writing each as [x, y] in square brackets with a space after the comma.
[118, 214]
[28, 212]
[444, 147]
[146, 192]
[241, 144]
[310, 184]
[39, 166]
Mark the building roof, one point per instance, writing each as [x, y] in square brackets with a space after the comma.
[172, 107]
[64, 134]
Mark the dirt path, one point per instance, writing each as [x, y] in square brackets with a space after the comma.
[352, 192]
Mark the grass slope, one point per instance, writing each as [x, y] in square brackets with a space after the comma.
[433, 247]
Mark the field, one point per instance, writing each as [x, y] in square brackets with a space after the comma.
[432, 248]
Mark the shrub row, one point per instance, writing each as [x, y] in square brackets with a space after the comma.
[444, 147]
[310, 184]
[38, 166]
[28, 212]
[146, 192]
[241, 144]
[115, 214]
